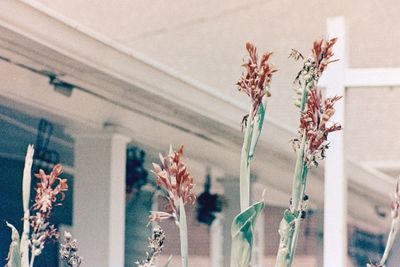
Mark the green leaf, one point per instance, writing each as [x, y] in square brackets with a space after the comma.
[256, 131]
[286, 230]
[14, 256]
[168, 261]
[242, 235]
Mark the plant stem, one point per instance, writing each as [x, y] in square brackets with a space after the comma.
[245, 164]
[183, 234]
[289, 228]
[392, 236]
[32, 260]
[26, 190]
[302, 188]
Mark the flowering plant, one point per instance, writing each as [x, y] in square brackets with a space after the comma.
[314, 127]
[50, 191]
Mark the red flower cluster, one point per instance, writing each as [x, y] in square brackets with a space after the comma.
[257, 77]
[322, 53]
[314, 124]
[174, 178]
[47, 191]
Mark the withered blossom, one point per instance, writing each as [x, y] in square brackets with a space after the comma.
[315, 125]
[322, 53]
[173, 177]
[316, 112]
[315, 64]
[48, 190]
[156, 245]
[69, 251]
[257, 77]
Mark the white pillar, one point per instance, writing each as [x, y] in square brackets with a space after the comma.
[232, 197]
[99, 197]
[335, 203]
[258, 257]
[216, 243]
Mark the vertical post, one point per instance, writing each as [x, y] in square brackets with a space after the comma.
[232, 197]
[258, 257]
[99, 197]
[217, 244]
[335, 203]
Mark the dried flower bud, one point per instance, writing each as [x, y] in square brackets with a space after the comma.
[156, 245]
[68, 251]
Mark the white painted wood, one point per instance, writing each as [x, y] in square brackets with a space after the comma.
[335, 201]
[232, 197]
[372, 77]
[99, 198]
[216, 243]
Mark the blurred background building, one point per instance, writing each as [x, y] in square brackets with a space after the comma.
[103, 86]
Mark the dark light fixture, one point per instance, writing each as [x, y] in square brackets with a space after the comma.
[60, 86]
[208, 204]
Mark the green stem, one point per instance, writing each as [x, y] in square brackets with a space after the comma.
[298, 177]
[293, 245]
[245, 164]
[32, 260]
[183, 234]
[392, 236]
[289, 228]
[26, 190]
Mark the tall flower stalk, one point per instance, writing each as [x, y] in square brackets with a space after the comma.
[255, 82]
[26, 191]
[36, 228]
[315, 125]
[177, 182]
[394, 228]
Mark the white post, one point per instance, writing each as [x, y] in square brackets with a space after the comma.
[99, 198]
[335, 203]
[216, 243]
[232, 197]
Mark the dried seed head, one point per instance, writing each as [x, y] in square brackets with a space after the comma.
[68, 251]
[156, 245]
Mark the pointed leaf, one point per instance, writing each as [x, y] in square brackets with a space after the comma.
[243, 233]
[14, 257]
[259, 122]
[286, 230]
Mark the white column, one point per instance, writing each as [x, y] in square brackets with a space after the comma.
[258, 257]
[216, 243]
[335, 203]
[232, 197]
[99, 197]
